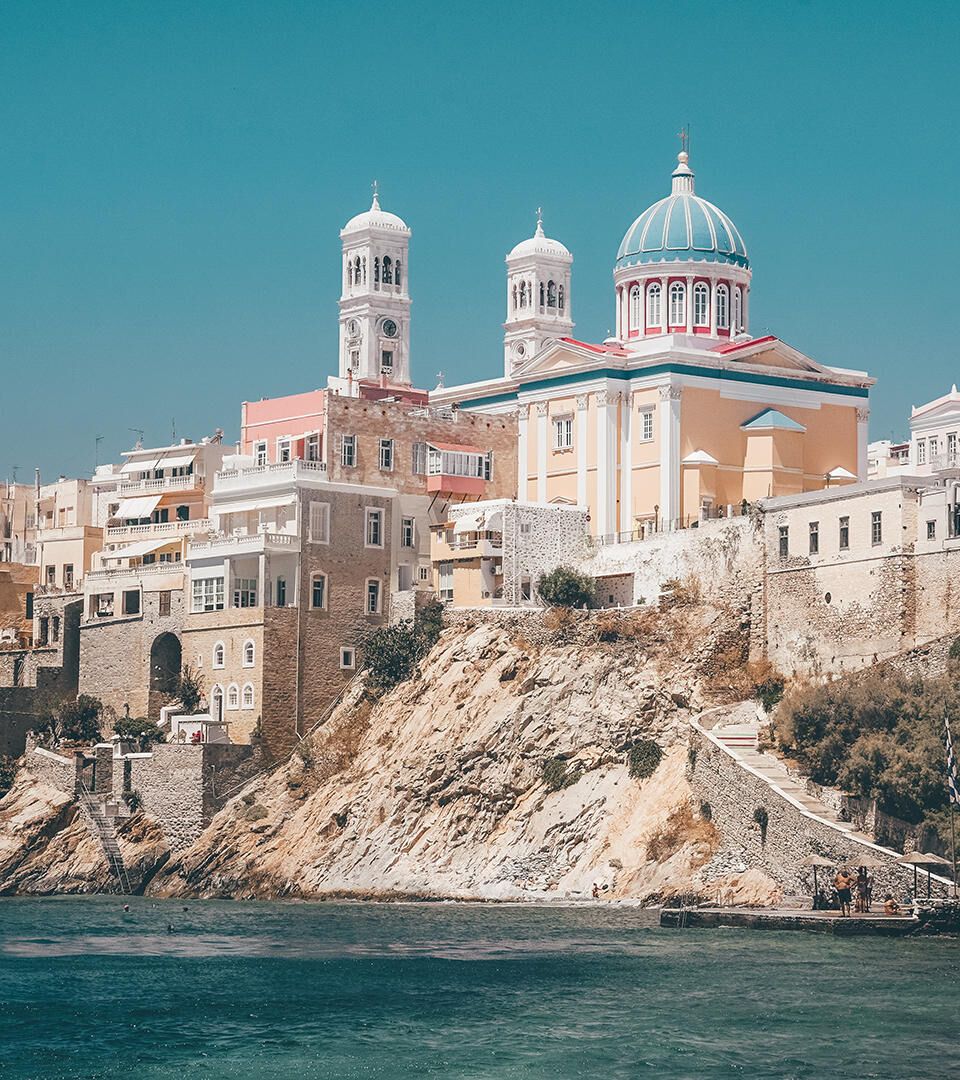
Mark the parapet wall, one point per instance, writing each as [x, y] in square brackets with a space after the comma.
[735, 793]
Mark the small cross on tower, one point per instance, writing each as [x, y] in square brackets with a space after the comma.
[684, 136]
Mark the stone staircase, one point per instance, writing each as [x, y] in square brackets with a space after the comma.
[101, 815]
[741, 739]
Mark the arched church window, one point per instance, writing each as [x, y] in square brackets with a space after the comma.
[560, 297]
[635, 309]
[551, 294]
[678, 304]
[376, 271]
[738, 309]
[356, 270]
[541, 296]
[523, 294]
[364, 270]
[349, 272]
[723, 307]
[701, 306]
[654, 299]
[396, 274]
[387, 270]
[514, 298]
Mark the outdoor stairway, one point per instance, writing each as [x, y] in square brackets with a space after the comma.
[107, 835]
[741, 740]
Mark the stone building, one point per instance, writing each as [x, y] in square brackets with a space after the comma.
[857, 574]
[492, 552]
[284, 592]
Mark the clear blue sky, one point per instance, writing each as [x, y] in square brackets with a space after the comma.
[173, 177]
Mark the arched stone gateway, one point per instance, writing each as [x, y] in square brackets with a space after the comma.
[165, 658]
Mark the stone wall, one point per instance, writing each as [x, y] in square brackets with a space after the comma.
[733, 793]
[115, 655]
[56, 770]
[170, 782]
[724, 556]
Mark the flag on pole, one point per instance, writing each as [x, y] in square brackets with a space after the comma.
[951, 765]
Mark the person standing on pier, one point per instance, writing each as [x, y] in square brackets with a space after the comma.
[842, 883]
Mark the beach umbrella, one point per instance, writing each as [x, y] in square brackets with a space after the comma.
[921, 858]
[816, 861]
[867, 860]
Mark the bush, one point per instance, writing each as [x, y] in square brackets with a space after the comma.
[74, 721]
[955, 649]
[566, 587]
[190, 689]
[392, 654]
[643, 758]
[558, 775]
[144, 732]
[880, 737]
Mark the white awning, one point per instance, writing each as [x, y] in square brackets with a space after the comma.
[254, 504]
[139, 465]
[141, 507]
[468, 523]
[176, 460]
[144, 547]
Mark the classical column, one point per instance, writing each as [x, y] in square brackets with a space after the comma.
[664, 304]
[863, 424]
[746, 308]
[669, 424]
[619, 314]
[582, 400]
[712, 301]
[626, 465]
[522, 467]
[606, 403]
[543, 420]
[689, 304]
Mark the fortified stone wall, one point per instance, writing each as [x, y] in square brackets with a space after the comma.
[170, 782]
[58, 771]
[724, 556]
[735, 795]
[115, 660]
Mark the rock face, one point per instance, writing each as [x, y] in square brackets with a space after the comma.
[47, 845]
[500, 773]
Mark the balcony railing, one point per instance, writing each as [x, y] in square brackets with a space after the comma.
[256, 475]
[249, 542]
[115, 572]
[163, 483]
[945, 461]
[159, 528]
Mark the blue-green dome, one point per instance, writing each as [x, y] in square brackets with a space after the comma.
[682, 227]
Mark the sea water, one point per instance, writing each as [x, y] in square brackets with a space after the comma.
[262, 990]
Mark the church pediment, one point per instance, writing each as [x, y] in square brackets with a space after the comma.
[772, 353]
[565, 354]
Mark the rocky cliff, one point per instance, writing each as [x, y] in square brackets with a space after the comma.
[501, 772]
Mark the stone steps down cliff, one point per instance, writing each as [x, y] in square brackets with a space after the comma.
[102, 824]
[736, 733]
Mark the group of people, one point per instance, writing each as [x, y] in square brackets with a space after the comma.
[857, 889]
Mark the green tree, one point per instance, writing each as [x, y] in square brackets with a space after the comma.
[144, 732]
[566, 587]
[77, 721]
[190, 689]
[391, 655]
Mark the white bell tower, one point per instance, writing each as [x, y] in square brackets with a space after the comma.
[375, 302]
[538, 297]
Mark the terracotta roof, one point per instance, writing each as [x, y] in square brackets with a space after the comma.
[614, 349]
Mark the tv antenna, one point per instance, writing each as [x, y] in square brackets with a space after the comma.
[96, 451]
[139, 433]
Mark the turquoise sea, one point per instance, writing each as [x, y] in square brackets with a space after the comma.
[258, 990]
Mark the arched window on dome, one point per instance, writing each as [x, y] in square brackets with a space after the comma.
[387, 270]
[723, 307]
[560, 298]
[523, 294]
[635, 308]
[396, 274]
[701, 304]
[551, 294]
[376, 272]
[356, 270]
[738, 309]
[654, 298]
[678, 304]
[541, 296]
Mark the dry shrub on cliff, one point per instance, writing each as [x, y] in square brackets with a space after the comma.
[614, 625]
[561, 622]
[681, 593]
[683, 827]
[735, 678]
[333, 748]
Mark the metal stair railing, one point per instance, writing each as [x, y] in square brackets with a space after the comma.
[106, 833]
